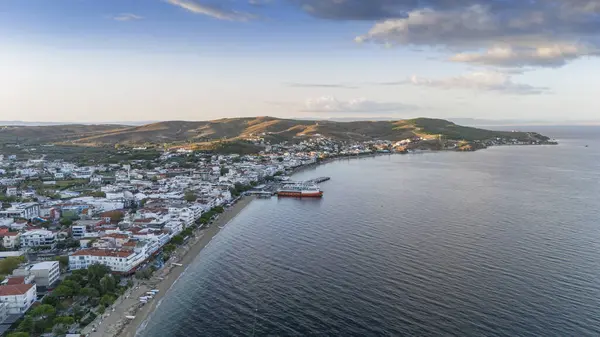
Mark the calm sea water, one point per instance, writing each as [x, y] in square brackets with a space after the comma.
[500, 242]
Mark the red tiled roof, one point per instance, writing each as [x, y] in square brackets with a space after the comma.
[15, 289]
[117, 236]
[16, 280]
[10, 234]
[103, 252]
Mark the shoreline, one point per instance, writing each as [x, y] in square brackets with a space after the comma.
[162, 279]
[115, 323]
[333, 159]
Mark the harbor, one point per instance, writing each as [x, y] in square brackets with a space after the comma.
[290, 188]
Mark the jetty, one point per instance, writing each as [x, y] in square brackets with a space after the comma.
[318, 180]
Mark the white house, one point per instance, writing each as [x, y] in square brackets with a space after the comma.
[28, 210]
[45, 273]
[11, 191]
[18, 297]
[78, 232]
[38, 237]
[118, 260]
[11, 240]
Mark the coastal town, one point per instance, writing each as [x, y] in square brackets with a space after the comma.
[84, 245]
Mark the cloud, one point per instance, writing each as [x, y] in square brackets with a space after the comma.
[491, 81]
[353, 9]
[555, 55]
[259, 2]
[541, 33]
[359, 105]
[126, 17]
[322, 85]
[212, 11]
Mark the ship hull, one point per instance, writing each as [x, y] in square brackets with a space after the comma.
[299, 194]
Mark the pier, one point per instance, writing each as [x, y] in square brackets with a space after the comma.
[318, 180]
[311, 181]
[260, 194]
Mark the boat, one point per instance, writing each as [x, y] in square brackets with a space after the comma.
[300, 190]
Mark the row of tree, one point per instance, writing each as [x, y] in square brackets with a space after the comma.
[62, 308]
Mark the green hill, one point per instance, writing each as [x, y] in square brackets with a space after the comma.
[234, 129]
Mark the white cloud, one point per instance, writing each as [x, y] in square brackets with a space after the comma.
[212, 11]
[480, 81]
[127, 17]
[545, 33]
[331, 104]
[548, 55]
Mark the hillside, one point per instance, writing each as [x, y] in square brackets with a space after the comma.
[51, 133]
[231, 129]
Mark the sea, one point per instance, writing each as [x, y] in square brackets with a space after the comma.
[499, 242]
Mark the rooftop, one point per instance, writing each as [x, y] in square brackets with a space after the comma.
[44, 265]
[15, 289]
[14, 280]
[103, 252]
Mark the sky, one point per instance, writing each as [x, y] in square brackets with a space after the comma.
[148, 60]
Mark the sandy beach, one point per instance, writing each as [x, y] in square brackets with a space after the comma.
[113, 322]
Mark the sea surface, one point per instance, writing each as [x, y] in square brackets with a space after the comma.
[499, 242]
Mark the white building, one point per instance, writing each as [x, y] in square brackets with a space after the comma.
[18, 297]
[11, 240]
[45, 273]
[28, 210]
[118, 260]
[11, 191]
[38, 237]
[3, 312]
[78, 232]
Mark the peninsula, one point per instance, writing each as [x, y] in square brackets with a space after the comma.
[251, 135]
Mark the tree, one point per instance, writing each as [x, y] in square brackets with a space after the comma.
[27, 325]
[177, 239]
[107, 300]
[63, 261]
[169, 248]
[63, 291]
[66, 222]
[187, 232]
[190, 196]
[224, 170]
[51, 300]
[43, 311]
[60, 329]
[66, 320]
[89, 292]
[107, 284]
[80, 272]
[9, 264]
[95, 272]
[77, 278]
[18, 334]
[73, 285]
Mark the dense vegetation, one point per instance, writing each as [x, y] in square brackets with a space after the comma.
[77, 300]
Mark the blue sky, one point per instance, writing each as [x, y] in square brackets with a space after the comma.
[126, 60]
